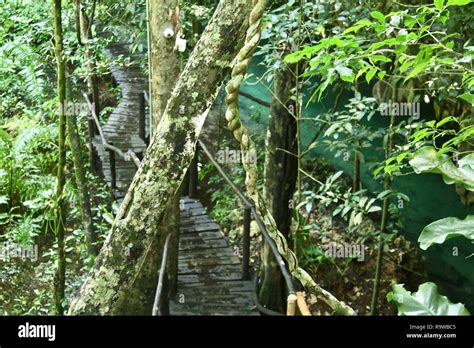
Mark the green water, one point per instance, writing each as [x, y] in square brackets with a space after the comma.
[430, 198]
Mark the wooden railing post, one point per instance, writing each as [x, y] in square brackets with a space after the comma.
[141, 117]
[113, 173]
[291, 305]
[174, 247]
[92, 127]
[246, 244]
[193, 175]
[92, 132]
[161, 303]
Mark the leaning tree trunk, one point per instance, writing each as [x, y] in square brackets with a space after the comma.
[280, 180]
[121, 282]
[164, 73]
[60, 276]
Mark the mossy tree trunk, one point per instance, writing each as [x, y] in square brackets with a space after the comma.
[164, 73]
[81, 182]
[123, 278]
[165, 61]
[280, 178]
[92, 86]
[60, 276]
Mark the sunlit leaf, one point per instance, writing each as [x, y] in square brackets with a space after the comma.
[439, 231]
[378, 16]
[426, 301]
[427, 160]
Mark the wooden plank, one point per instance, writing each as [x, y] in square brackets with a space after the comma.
[200, 228]
[199, 219]
[218, 298]
[195, 211]
[192, 205]
[209, 277]
[186, 217]
[185, 269]
[205, 253]
[202, 235]
[217, 287]
[215, 310]
[198, 243]
[186, 199]
[210, 261]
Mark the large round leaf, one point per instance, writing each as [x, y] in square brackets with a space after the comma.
[426, 301]
[426, 160]
[439, 231]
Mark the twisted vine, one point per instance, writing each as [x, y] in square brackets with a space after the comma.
[241, 133]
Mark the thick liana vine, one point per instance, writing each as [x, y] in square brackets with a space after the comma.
[239, 71]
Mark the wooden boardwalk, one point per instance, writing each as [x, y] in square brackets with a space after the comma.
[121, 128]
[209, 274]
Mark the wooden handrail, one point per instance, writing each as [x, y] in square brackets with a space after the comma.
[128, 155]
[247, 204]
[293, 299]
[157, 309]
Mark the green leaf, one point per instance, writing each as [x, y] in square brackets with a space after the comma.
[458, 2]
[374, 209]
[345, 73]
[369, 76]
[359, 25]
[384, 194]
[378, 16]
[469, 97]
[427, 160]
[108, 217]
[346, 210]
[426, 301]
[407, 64]
[378, 170]
[362, 71]
[447, 120]
[439, 4]
[417, 69]
[409, 21]
[439, 231]
[401, 156]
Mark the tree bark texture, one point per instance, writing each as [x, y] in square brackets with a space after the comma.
[93, 89]
[164, 74]
[280, 179]
[165, 61]
[60, 276]
[79, 172]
